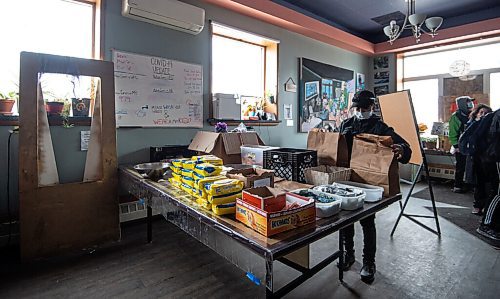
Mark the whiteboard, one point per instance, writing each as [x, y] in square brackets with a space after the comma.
[397, 112]
[157, 92]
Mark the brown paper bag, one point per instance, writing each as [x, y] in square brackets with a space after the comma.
[331, 148]
[374, 163]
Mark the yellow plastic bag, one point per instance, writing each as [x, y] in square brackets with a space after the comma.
[176, 176]
[207, 169]
[178, 162]
[200, 192]
[189, 164]
[229, 208]
[208, 159]
[201, 182]
[188, 181]
[187, 173]
[175, 169]
[223, 199]
[187, 188]
[175, 182]
[203, 203]
[225, 186]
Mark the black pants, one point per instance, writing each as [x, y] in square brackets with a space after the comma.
[492, 214]
[486, 178]
[369, 238]
[460, 170]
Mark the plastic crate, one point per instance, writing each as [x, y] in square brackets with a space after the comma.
[290, 163]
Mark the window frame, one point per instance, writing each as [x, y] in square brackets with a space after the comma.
[97, 53]
[266, 76]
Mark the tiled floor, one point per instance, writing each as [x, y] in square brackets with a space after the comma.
[412, 264]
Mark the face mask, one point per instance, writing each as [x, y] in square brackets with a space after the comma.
[363, 115]
[470, 105]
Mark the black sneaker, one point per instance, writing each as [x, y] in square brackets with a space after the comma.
[488, 232]
[368, 272]
[349, 260]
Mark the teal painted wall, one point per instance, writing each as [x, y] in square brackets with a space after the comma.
[133, 36]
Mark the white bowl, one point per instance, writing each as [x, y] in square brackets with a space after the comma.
[373, 193]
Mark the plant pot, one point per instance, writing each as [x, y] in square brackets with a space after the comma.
[80, 107]
[6, 106]
[54, 108]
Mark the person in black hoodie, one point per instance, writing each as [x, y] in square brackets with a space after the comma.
[364, 121]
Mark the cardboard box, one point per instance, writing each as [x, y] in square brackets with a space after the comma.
[269, 224]
[327, 175]
[290, 185]
[254, 177]
[254, 154]
[224, 145]
[265, 198]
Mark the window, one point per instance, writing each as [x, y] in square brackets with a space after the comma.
[61, 27]
[424, 96]
[245, 65]
[495, 90]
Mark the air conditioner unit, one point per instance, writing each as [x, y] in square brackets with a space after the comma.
[168, 13]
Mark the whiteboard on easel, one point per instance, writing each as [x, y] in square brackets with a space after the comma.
[157, 92]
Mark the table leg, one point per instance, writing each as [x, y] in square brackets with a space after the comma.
[269, 279]
[150, 223]
[341, 256]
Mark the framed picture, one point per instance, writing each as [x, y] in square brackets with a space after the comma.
[381, 77]
[360, 82]
[381, 62]
[324, 92]
[380, 90]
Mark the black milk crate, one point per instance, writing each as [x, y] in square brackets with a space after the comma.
[290, 163]
[158, 153]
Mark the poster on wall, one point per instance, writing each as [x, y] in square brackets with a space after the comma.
[381, 90]
[360, 82]
[381, 62]
[324, 94]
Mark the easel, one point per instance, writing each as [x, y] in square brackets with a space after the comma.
[398, 112]
[413, 216]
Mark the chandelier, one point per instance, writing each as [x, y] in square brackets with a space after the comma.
[413, 21]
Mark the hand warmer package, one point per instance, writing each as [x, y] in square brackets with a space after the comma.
[178, 162]
[175, 182]
[225, 186]
[188, 181]
[223, 199]
[201, 182]
[189, 164]
[203, 203]
[187, 173]
[224, 209]
[208, 159]
[175, 169]
[207, 169]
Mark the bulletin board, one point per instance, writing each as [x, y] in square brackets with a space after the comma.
[397, 112]
[157, 92]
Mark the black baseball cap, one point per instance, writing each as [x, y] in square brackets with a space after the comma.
[363, 99]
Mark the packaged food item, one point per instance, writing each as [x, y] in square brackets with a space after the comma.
[373, 193]
[224, 209]
[224, 186]
[208, 159]
[188, 181]
[187, 173]
[207, 169]
[178, 162]
[189, 164]
[326, 205]
[200, 193]
[223, 199]
[176, 176]
[203, 203]
[187, 188]
[175, 183]
[202, 181]
[175, 169]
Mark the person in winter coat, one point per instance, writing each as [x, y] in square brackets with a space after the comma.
[490, 224]
[477, 168]
[364, 121]
[457, 125]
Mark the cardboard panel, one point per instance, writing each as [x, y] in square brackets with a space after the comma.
[397, 112]
[232, 143]
[59, 218]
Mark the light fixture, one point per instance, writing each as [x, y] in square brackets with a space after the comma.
[459, 68]
[413, 21]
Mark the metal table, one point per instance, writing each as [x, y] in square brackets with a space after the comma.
[229, 238]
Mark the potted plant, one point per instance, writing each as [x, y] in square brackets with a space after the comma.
[54, 107]
[7, 102]
[80, 106]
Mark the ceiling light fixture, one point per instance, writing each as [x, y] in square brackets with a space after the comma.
[413, 21]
